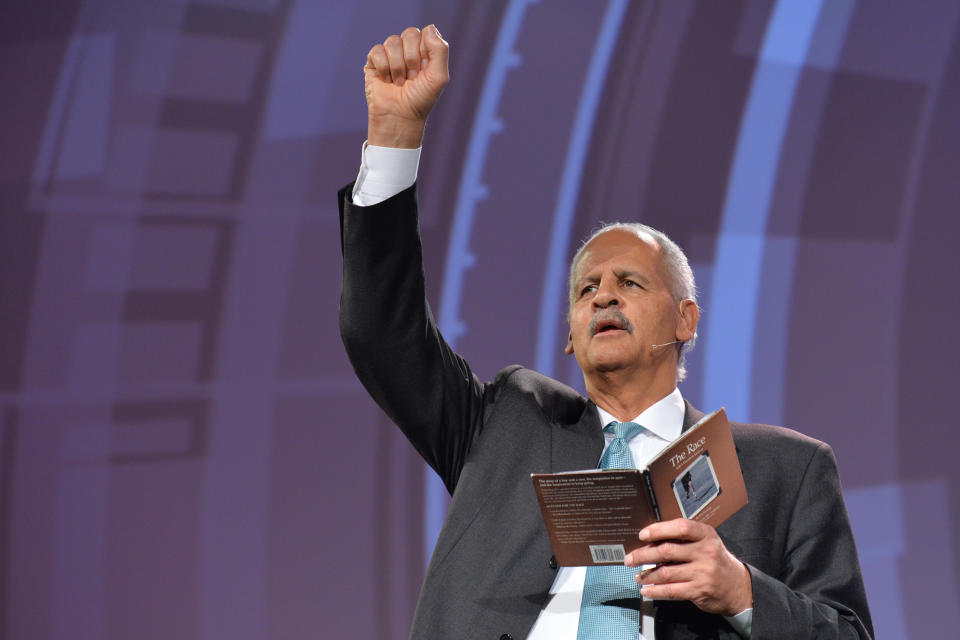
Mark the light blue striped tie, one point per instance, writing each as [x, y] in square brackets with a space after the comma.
[599, 621]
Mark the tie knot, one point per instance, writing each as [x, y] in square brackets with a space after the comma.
[623, 430]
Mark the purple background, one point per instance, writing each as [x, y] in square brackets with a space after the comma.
[184, 450]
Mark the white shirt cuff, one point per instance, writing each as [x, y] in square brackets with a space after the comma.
[384, 172]
[742, 623]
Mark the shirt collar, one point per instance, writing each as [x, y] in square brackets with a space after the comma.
[664, 418]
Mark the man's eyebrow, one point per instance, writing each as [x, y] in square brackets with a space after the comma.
[592, 278]
[628, 273]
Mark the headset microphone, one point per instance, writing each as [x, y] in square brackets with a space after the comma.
[657, 346]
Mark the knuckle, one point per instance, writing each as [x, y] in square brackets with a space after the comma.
[700, 594]
[718, 551]
[664, 574]
[377, 59]
[392, 41]
[410, 32]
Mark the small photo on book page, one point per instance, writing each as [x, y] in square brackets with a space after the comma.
[696, 486]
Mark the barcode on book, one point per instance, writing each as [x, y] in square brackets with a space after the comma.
[607, 552]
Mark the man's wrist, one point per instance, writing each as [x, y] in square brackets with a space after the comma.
[398, 133]
[744, 600]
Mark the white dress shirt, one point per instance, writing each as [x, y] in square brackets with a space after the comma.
[385, 172]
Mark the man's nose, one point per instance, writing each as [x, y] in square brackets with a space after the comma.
[606, 295]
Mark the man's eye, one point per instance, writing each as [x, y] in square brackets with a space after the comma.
[631, 283]
[587, 289]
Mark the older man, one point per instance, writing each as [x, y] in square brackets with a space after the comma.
[785, 566]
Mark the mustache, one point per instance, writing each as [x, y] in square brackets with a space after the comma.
[606, 315]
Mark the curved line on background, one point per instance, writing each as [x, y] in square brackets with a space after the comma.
[555, 271]
[459, 258]
[741, 240]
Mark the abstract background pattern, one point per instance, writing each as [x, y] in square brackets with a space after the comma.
[184, 449]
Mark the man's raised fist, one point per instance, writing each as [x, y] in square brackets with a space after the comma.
[403, 78]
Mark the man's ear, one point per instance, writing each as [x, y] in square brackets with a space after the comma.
[689, 316]
[569, 348]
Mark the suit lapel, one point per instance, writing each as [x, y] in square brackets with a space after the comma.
[691, 415]
[577, 445]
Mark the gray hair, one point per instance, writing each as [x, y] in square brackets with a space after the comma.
[682, 284]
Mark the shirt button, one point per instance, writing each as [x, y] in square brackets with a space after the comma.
[553, 562]
[506, 636]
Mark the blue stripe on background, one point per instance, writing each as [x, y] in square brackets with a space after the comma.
[741, 241]
[877, 515]
[768, 401]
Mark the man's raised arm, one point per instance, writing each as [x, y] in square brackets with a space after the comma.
[389, 333]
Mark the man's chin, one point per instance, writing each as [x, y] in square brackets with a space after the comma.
[616, 362]
[618, 356]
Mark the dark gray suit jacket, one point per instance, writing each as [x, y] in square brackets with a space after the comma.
[492, 567]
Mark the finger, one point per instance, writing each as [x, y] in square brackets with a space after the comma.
[436, 50]
[424, 53]
[677, 529]
[671, 591]
[661, 553]
[398, 68]
[411, 51]
[377, 60]
[666, 574]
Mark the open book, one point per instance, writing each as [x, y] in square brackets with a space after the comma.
[594, 516]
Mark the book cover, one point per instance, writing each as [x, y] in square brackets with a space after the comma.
[593, 516]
